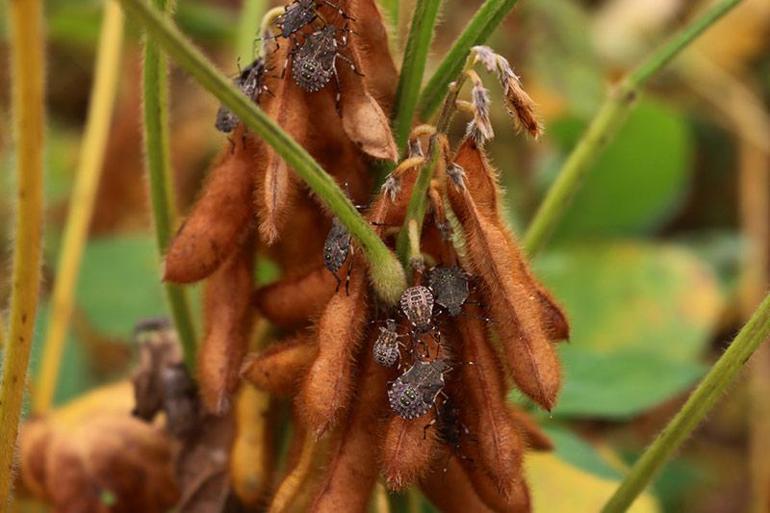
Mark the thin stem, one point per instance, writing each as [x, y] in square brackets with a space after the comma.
[478, 30]
[719, 378]
[27, 40]
[606, 124]
[250, 17]
[81, 202]
[413, 68]
[418, 202]
[158, 161]
[386, 273]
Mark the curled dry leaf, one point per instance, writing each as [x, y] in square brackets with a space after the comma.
[227, 320]
[451, 492]
[497, 441]
[327, 389]
[408, 450]
[252, 457]
[350, 475]
[215, 226]
[515, 304]
[293, 302]
[93, 447]
[279, 369]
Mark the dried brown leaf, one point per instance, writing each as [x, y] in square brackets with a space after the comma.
[295, 301]
[279, 369]
[327, 389]
[218, 219]
[227, 320]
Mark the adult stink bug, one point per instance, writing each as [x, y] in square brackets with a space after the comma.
[414, 392]
[315, 62]
[301, 13]
[336, 248]
[252, 82]
[450, 288]
[385, 350]
[417, 304]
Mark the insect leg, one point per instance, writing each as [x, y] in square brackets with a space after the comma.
[351, 63]
[339, 10]
[338, 96]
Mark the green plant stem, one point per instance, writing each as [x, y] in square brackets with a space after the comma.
[158, 161]
[418, 202]
[721, 375]
[606, 124]
[386, 273]
[250, 18]
[479, 28]
[27, 40]
[413, 68]
[81, 204]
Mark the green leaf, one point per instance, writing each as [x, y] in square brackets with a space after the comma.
[624, 296]
[637, 183]
[120, 283]
[579, 453]
[620, 385]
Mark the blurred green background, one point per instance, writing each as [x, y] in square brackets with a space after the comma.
[647, 261]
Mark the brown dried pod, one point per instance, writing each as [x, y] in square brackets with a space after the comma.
[517, 501]
[408, 450]
[498, 444]
[515, 303]
[295, 301]
[450, 490]
[227, 319]
[215, 226]
[279, 369]
[350, 475]
[327, 389]
[534, 437]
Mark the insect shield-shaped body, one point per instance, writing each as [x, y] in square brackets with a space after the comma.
[414, 392]
[450, 427]
[417, 304]
[296, 16]
[251, 82]
[336, 248]
[450, 288]
[385, 350]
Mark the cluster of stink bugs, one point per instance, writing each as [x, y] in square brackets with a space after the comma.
[315, 47]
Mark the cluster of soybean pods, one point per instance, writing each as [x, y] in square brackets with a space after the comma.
[313, 55]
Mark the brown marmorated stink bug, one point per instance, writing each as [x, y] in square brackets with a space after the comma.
[315, 62]
[251, 81]
[450, 288]
[414, 392]
[301, 13]
[417, 305]
[385, 350]
[336, 248]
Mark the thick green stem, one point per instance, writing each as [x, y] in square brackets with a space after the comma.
[386, 273]
[478, 30]
[27, 40]
[716, 382]
[413, 68]
[156, 141]
[606, 124]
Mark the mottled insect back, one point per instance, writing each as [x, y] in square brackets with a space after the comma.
[450, 288]
[251, 81]
[336, 247]
[417, 304]
[296, 16]
[414, 392]
[385, 350]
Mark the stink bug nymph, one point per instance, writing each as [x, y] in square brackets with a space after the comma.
[252, 82]
[450, 288]
[336, 248]
[417, 304]
[414, 392]
[385, 350]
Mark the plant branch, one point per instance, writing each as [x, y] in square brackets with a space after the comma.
[158, 161]
[478, 30]
[606, 124]
[385, 271]
[721, 375]
[413, 68]
[27, 40]
[81, 203]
